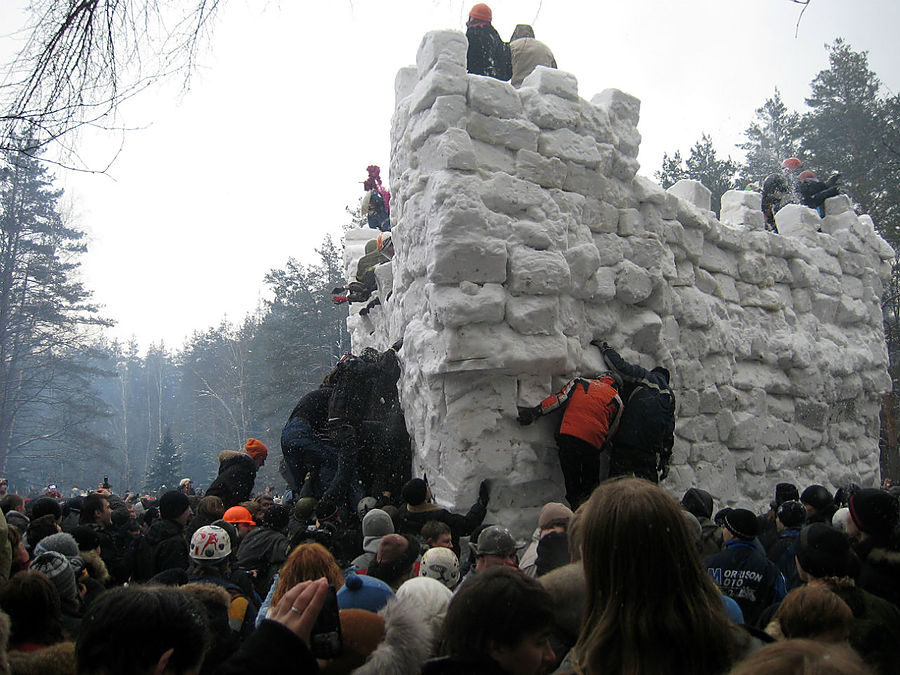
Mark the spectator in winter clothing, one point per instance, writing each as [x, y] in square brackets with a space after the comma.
[768, 532]
[592, 412]
[441, 564]
[789, 520]
[168, 548]
[643, 444]
[700, 503]
[819, 503]
[814, 613]
[874, 517]
[32, 602]
[437, 534]
[488, 54]
[58, 569]
[636, 600]
[97, 515]
[554, 517]
[526, 54]
[742, 571]
[13, 507]
[237, 473]
[375, 525]
[395, 559]
[209, 510]
[420, 508]
[210, 563]
[495, 547]
[264, 549]
[499, 622]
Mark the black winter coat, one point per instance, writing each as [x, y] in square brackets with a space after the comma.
[880, 572]
[488, 54]
[169, 550]
[744, 574]
[414, 517]
[237, 473]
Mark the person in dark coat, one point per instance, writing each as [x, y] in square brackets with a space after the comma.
[306, 446]
[419, 509]
[813, 192]
[742, 571]
[643, 444]
[488, 54]
[819, 503]
[699, 503]
[97, 514]
[874, 515]
[168, 547]
[768, 531]
[237, 473]
[789, 520]
[264, 549]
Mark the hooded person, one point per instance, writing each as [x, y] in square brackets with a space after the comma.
[554, 517]
[237, 473]
[699, 503]
[526, 54]
[487, 54]
[375, 525]
[168, 549]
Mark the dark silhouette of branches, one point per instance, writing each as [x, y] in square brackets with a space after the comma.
[84, 58]
[805, 4]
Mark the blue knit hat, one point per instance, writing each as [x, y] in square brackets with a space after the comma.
[361, 591]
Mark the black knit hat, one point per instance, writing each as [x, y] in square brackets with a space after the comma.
[172, 504]
[823, 551]
[785, 492]
[415, 491]
[741, 523]
[875, 511]
[276, 517]
[818, 497]
[791, 513]
[87, 538]
[699, 502]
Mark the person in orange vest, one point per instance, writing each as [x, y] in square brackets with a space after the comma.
[592, 410]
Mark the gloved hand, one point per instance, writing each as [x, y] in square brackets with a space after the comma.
[527, 415]
[663, 467]
[600, 344]
[397, 345]
[484, 492]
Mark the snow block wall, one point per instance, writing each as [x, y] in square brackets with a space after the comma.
[522, 232]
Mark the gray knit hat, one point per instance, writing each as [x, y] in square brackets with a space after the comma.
[55, 566]
[61, 542]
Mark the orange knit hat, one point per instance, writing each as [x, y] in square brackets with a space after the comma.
[256, 449]
[481, 12]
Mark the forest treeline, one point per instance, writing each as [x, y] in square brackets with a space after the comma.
[75, 406]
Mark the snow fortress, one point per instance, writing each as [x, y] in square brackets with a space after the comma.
[522, 232]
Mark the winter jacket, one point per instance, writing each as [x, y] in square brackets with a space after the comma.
[880, 571]
[648, 423]
[414, 517]
[593, 409]
[813, 192]
[710, 537]
[272, 648]
[313, 409]
[168, 549]
[406, 643]
[264, 551]
[117, 562]
[237, 473]
[527, 54]
[743, 573]
[488, 54]
[243, 608]
[783, 552]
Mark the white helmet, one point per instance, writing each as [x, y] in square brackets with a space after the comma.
[210, 544]
[441, 564]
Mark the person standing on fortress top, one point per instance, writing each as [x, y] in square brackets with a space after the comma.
[527, 54]
[779, 190]
[376, 204]
[813, 192]
[643, 444]
[488, 54]
[237, 473]
[592, 410]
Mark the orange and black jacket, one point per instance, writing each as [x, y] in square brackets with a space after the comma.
[592, 409]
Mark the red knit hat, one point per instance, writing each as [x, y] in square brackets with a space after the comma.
[481, 12]
[256, 449]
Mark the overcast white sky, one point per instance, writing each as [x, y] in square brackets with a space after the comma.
[293, 100]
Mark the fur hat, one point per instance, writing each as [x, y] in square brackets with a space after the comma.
[875, 511]
[742, 523]
[823, 551]
[554, 513]
[172, 504]
[441, 564]
[363, 592]
[415, 491]
[791, 513]
[428, 595]
[255, 448]
[699, 502]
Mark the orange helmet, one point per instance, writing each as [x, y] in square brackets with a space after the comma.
[792, 163]
[804, 175]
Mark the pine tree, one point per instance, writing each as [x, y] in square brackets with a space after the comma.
[165, 466]
[701, 165]
[771, 138]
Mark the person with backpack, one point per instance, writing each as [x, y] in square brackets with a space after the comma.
[643, 444]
